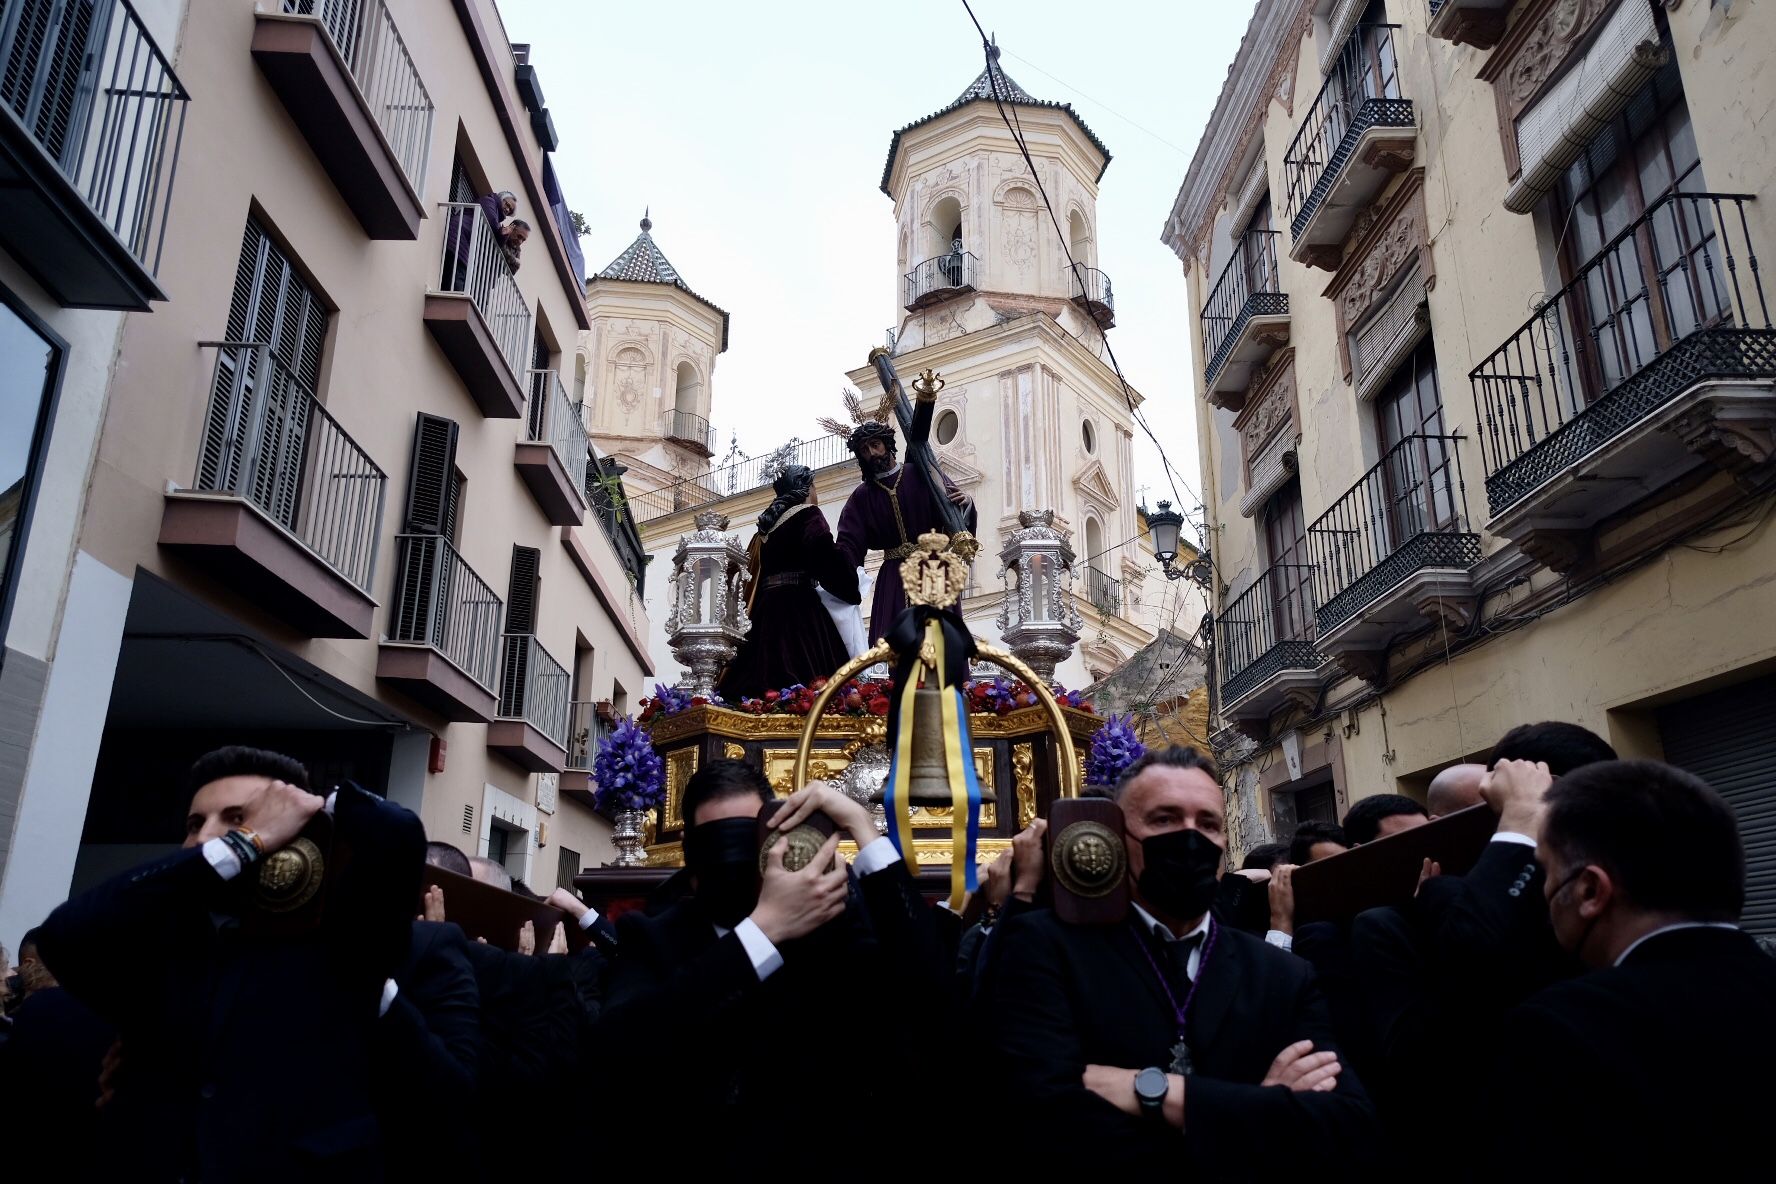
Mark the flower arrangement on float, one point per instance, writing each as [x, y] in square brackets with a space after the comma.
[858, 697]
[1114, 747]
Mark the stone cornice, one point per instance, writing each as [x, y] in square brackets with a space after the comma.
[1274, 31]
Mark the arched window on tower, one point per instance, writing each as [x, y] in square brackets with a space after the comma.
[1079, 241]
[687, 390]
[944, 228]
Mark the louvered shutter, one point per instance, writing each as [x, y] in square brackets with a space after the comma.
[49, 77]
[432, 479]
[521, 598]
[461, 188]
[1725, 738]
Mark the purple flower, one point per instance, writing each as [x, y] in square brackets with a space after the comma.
[1113, 748]
[627, 771]
[671, 699]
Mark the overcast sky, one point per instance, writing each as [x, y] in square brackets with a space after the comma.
[757, 132]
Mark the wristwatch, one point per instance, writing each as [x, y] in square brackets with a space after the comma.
[1151, 1087]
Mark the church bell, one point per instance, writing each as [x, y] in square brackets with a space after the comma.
[928, 781]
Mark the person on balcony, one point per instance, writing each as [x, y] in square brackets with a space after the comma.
[496, 207]
[793, 638]
[512, 239]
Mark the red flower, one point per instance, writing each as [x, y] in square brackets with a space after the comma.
[771, 696]
[699, 701]
[878, 706]
[817, 685]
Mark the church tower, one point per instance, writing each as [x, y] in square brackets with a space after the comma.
[647, 366]
[1032, 417]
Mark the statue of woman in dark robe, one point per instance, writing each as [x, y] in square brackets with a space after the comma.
[793, 639]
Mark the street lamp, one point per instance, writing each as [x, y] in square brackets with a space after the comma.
[1164, 524]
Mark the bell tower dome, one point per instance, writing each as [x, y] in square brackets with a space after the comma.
[648, 365]
[972, 232]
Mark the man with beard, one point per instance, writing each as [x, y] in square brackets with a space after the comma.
[724, 1008]
[891, 508]
[1168, 1041]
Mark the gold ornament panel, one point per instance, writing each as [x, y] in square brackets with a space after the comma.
[737, 725]
[679, 767]
[826, 764]
[927, 852]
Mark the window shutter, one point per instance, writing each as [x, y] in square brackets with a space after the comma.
[521, 596]
[461, 188]
[431, 484]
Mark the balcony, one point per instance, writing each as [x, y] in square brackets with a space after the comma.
[939, 279]
[443, 631]
[285, 507]
[586, 730]
[348, 83]
[1091, 292]
[616, 517]
[91, 118]
[532, 727]
[1265, 641]
[1104, 593]
[1656, 359]
[681, 427]
[552, 456]
[1358, 134]
[1479, 23]
[1244, 320]
[1392, 552]
[477, 314]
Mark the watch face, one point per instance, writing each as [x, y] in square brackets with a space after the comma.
[1151, 1085]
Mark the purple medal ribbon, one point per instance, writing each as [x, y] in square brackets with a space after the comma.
[1181, 1012]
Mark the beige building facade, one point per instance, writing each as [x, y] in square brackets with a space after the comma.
[1485, 374]
[344, 501]
[1032, 416]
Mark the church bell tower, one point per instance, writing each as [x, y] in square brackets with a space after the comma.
[1033, 417]
[648, 366]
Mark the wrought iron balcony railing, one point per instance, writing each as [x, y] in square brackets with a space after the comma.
[554, 419]
[268, 441]
[89, 85]
[1361, 91]
[475, 265]
[615, 512]
[1104, 593]
[1092, 291]
[534, 687]
[1672, 299]
[1406, 513]
[940, 278]
[371, 47]
[1247, 287]
[585, 732]
[692, 429]
[1267, 628]
[441, 602]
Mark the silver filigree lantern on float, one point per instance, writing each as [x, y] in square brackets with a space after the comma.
[708, 617]
[1038, 620]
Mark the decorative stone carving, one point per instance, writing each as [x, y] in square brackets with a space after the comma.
[1383, 247]
[1732, 429]
[1039, 619]
[1555, 34]
[1368, 665]
[708, 618]
[1274, 408]
[1392, 155]
[1562, 551]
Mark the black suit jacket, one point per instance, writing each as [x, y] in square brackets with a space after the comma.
[1059, 997]
[687, 1022]
[428, 1049]
[246, 1058]
[1654, 1069]
[49, 1084]
[1487, 940]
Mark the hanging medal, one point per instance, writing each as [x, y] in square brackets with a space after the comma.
[1181, 1063]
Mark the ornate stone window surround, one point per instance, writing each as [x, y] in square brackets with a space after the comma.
[1384, 249]
[1270, 430]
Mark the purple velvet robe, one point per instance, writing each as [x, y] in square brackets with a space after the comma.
[867, 524]
[793, 638]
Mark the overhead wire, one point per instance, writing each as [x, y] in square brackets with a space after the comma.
[1015, 127]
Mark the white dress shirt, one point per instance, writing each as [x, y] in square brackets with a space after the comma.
[1164, 933]
[766, 960]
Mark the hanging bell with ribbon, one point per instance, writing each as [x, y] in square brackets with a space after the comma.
[928, 778]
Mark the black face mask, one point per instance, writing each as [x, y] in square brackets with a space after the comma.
[1180, 871]
[723, 856]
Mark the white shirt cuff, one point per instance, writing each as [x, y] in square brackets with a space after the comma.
[1511, 836]
[766, 961]
[222, 858]
[1281, 940]
[591, 918]
[389, 991]
[327, 808]
[878, 855]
